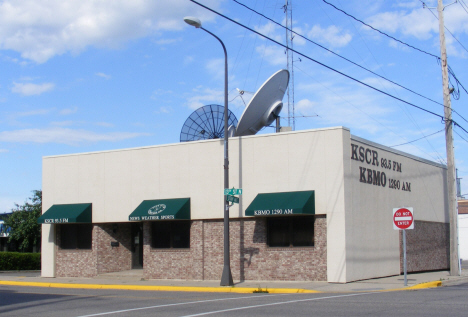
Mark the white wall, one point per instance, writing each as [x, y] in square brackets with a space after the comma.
[361, 242]
[463, 236]
[371, 242]
[116, 182]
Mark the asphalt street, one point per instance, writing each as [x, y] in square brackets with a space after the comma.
[38, 301]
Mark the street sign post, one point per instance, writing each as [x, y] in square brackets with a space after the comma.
[402, 220]
[232, 199]
[233, 191]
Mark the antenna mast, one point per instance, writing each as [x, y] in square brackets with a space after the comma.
[290, 63]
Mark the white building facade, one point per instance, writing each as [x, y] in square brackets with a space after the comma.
[160, 208]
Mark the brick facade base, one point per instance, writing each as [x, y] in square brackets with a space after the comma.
[427, 247]
[102, 258]
[251, 258]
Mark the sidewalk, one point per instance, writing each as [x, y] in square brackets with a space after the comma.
[132, 280]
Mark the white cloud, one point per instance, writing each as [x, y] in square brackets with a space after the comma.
[31, 89]
[62, 123]
[41, 29]
[381, 84]
[216, 67]
[205, 97]
[68, 111]
[104, 124]
[331, 35]
[31, 113]
[105, 76]
[64, 136]
[273, 54]
[305, 105]
[168, 41]
[164, 110]
[297, 39]
[188, 60]
[4, 151]
[352, 107]
[269, 30]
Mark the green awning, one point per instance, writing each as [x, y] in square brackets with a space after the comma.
[69, 213]
[162, 209]
[278, 204]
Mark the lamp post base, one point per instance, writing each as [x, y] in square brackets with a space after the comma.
[226, 278]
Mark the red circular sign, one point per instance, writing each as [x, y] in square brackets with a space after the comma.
[403, 218]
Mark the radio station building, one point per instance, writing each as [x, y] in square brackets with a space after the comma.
[317, 205]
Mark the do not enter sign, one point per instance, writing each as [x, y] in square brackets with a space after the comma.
[403, 218]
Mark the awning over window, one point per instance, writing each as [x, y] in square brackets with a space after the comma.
[278, 204]
[69, 213]
[162, 209]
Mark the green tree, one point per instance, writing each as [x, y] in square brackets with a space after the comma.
[23, 222]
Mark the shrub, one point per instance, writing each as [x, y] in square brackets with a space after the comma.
[15, 261]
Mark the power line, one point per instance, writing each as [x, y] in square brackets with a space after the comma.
[417, 139]
[395, 39]
[315, 61]
[438, 156]
[326, 66]
[461, 136]
[463, 5]
[425, 6]
[336, 54]
[354, 63]
[383, 33]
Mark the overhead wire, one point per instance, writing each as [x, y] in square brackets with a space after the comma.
[438, 157]
[326, 66]
[395, 39]
[417, 139]
[317, 62]
[336, 54]
[463, 5]
[425, 6]
[461, 136]
[377, 30]
[404, 108]
[346, 59]
[354, 63]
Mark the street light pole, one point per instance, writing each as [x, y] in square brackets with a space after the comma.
[226, 277]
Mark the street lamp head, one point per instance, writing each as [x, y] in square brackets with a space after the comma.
[193, 21]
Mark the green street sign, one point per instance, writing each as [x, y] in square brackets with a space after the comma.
[232, 199]
[233, 191]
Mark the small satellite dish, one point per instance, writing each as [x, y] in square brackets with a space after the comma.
[265, 106]
[206, 123]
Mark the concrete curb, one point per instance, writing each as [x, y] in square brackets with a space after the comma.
[243, 290]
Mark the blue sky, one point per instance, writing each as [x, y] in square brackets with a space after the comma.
[81, 76]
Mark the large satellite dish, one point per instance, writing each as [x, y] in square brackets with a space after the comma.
[207, 122]
[265, 106]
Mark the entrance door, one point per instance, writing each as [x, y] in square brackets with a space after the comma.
[137, 245]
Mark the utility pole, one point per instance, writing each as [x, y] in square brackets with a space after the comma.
[451, 185]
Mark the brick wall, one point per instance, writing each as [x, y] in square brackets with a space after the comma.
[251, 258]
[75, 263]
[113, 259]
[102, 258]
[427, 247]
[186, 264]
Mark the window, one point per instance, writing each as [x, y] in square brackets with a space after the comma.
[76, 236]
[290, 231]
[170, 234]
